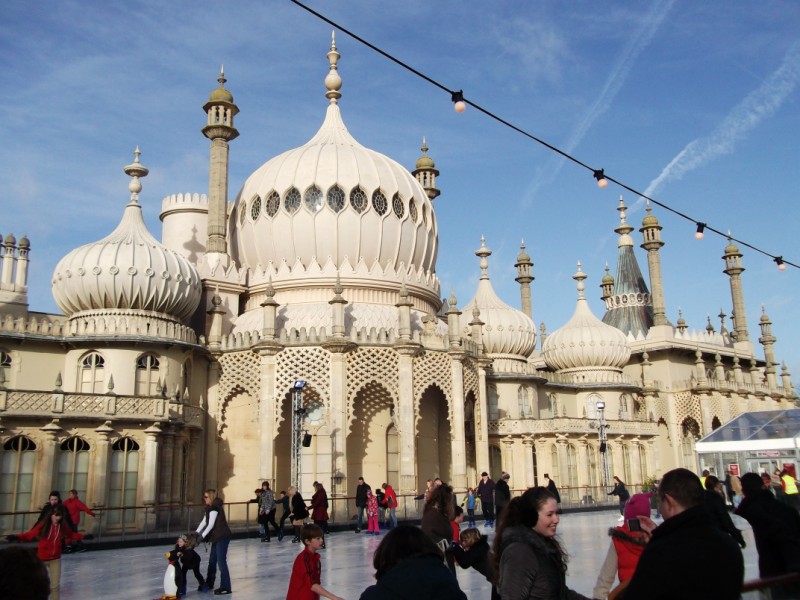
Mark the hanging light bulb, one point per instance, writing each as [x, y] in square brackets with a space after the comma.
[780, 263]
[458, 101]
[601, 178]
[699, 233]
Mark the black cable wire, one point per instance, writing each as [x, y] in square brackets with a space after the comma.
[459, 93]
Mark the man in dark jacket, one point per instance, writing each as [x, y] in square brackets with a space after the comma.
[485, 492]
[361, 502]
[776, 527]
[502, 494]
[685, 548]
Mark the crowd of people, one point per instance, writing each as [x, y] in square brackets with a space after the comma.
[524, 558]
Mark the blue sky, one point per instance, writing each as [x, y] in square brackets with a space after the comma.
[695, 102]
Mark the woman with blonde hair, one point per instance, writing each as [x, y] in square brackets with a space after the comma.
[214, 528]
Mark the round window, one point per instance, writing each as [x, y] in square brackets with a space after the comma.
[358, 199]
[379, 202]
[336, 198]
[273, 204]
[397, 206]
[313, 199]
[292, 201]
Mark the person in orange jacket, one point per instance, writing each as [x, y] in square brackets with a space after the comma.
[52, 532]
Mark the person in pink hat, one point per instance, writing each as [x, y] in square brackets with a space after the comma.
[627, 545]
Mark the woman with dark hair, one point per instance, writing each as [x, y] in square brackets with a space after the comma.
[436, 517]
[622, 493]
[529, 562]
[299, 512]
[408, 566]
[319, 509]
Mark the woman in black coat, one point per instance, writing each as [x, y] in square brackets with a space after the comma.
[299, 512]
[620, 491]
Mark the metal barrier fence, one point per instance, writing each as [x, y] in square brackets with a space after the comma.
[143, 522]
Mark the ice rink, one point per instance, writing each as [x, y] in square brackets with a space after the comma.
[261, 570]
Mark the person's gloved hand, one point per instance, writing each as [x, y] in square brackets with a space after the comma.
[11, 538]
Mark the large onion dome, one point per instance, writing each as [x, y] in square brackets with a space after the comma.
[334, 202]
[128, 269]
[507, 332]
[585, 342]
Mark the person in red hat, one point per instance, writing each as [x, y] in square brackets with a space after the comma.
[627, 545]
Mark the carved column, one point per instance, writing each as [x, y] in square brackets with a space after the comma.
[406, 417]
[457, 436]
[149, 475]
[99, 487]
[527, 448]
[211, 459]
[267, 404]
[46, 469]
[482, 427]
[339, 348]
[165, 470]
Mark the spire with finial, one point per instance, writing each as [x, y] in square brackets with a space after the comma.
[580, 276]
[333, 81]
[483, 252]
[681, 321]
[135, 170]
[709, 326]
[624, 228]
[524, 278]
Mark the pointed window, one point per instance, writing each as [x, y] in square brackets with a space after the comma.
[292, 201]
[147, 375]
[358, 199]
[273, 204]
[397, 206]
[313, 199]
[73, 465]
[336, 199]
[92, 373]
[5, 366]
[255, 208]
[17, 465]
[379, 203]
[124, 472]
[412, 210]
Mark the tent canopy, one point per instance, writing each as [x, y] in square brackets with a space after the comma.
[765, 430]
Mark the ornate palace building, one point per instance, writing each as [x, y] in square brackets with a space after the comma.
[173, 364]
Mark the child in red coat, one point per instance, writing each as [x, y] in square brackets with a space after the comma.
[52, 532]
[307, 569]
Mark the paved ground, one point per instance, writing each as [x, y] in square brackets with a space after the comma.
[261, 571]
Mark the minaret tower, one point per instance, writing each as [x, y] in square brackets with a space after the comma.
[426, 173]
[768, 341]
[651, 231]
[220, 130]
[734, 269]
[524, 278]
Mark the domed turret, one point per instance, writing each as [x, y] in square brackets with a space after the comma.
[507, 332]
[585, 343]
[128, 269]
[333, 205]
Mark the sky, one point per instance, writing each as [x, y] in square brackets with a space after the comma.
[696, 104]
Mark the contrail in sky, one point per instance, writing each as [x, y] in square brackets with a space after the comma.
[615, 80]
[756, 106]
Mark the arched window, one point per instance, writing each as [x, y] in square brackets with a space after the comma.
[524, 402]
[572, 466]
[690, 432]
[17, 464]
[493, 408]
[553, 406]
[358, 199]
[313, 199]
[124, 479]
[336, 199]
[591, 406]
[273, 204]
[392, 456]
[292, 201]
[187, 379]
[643, 462]
[626, 465]
[92, 374]
[147, 376]
[379, 202]
[5, 367]
[495, 462]
[73, 466]
[554, 461]
[623, 407]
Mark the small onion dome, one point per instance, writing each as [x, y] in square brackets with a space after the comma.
[585, 343]
[731, 248]
[650, 220]
[425, 161]
[24, 242]
[10, 240]
[220, 94]
[507, 332]
[764, 318]
[523, 257]
[128, 269]
[608, 278]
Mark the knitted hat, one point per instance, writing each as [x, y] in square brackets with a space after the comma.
[484, 474]
[638, 506]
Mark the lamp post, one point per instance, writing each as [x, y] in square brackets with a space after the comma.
[298, 412]
[602, 426]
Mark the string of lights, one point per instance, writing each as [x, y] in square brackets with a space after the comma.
[460, 104]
